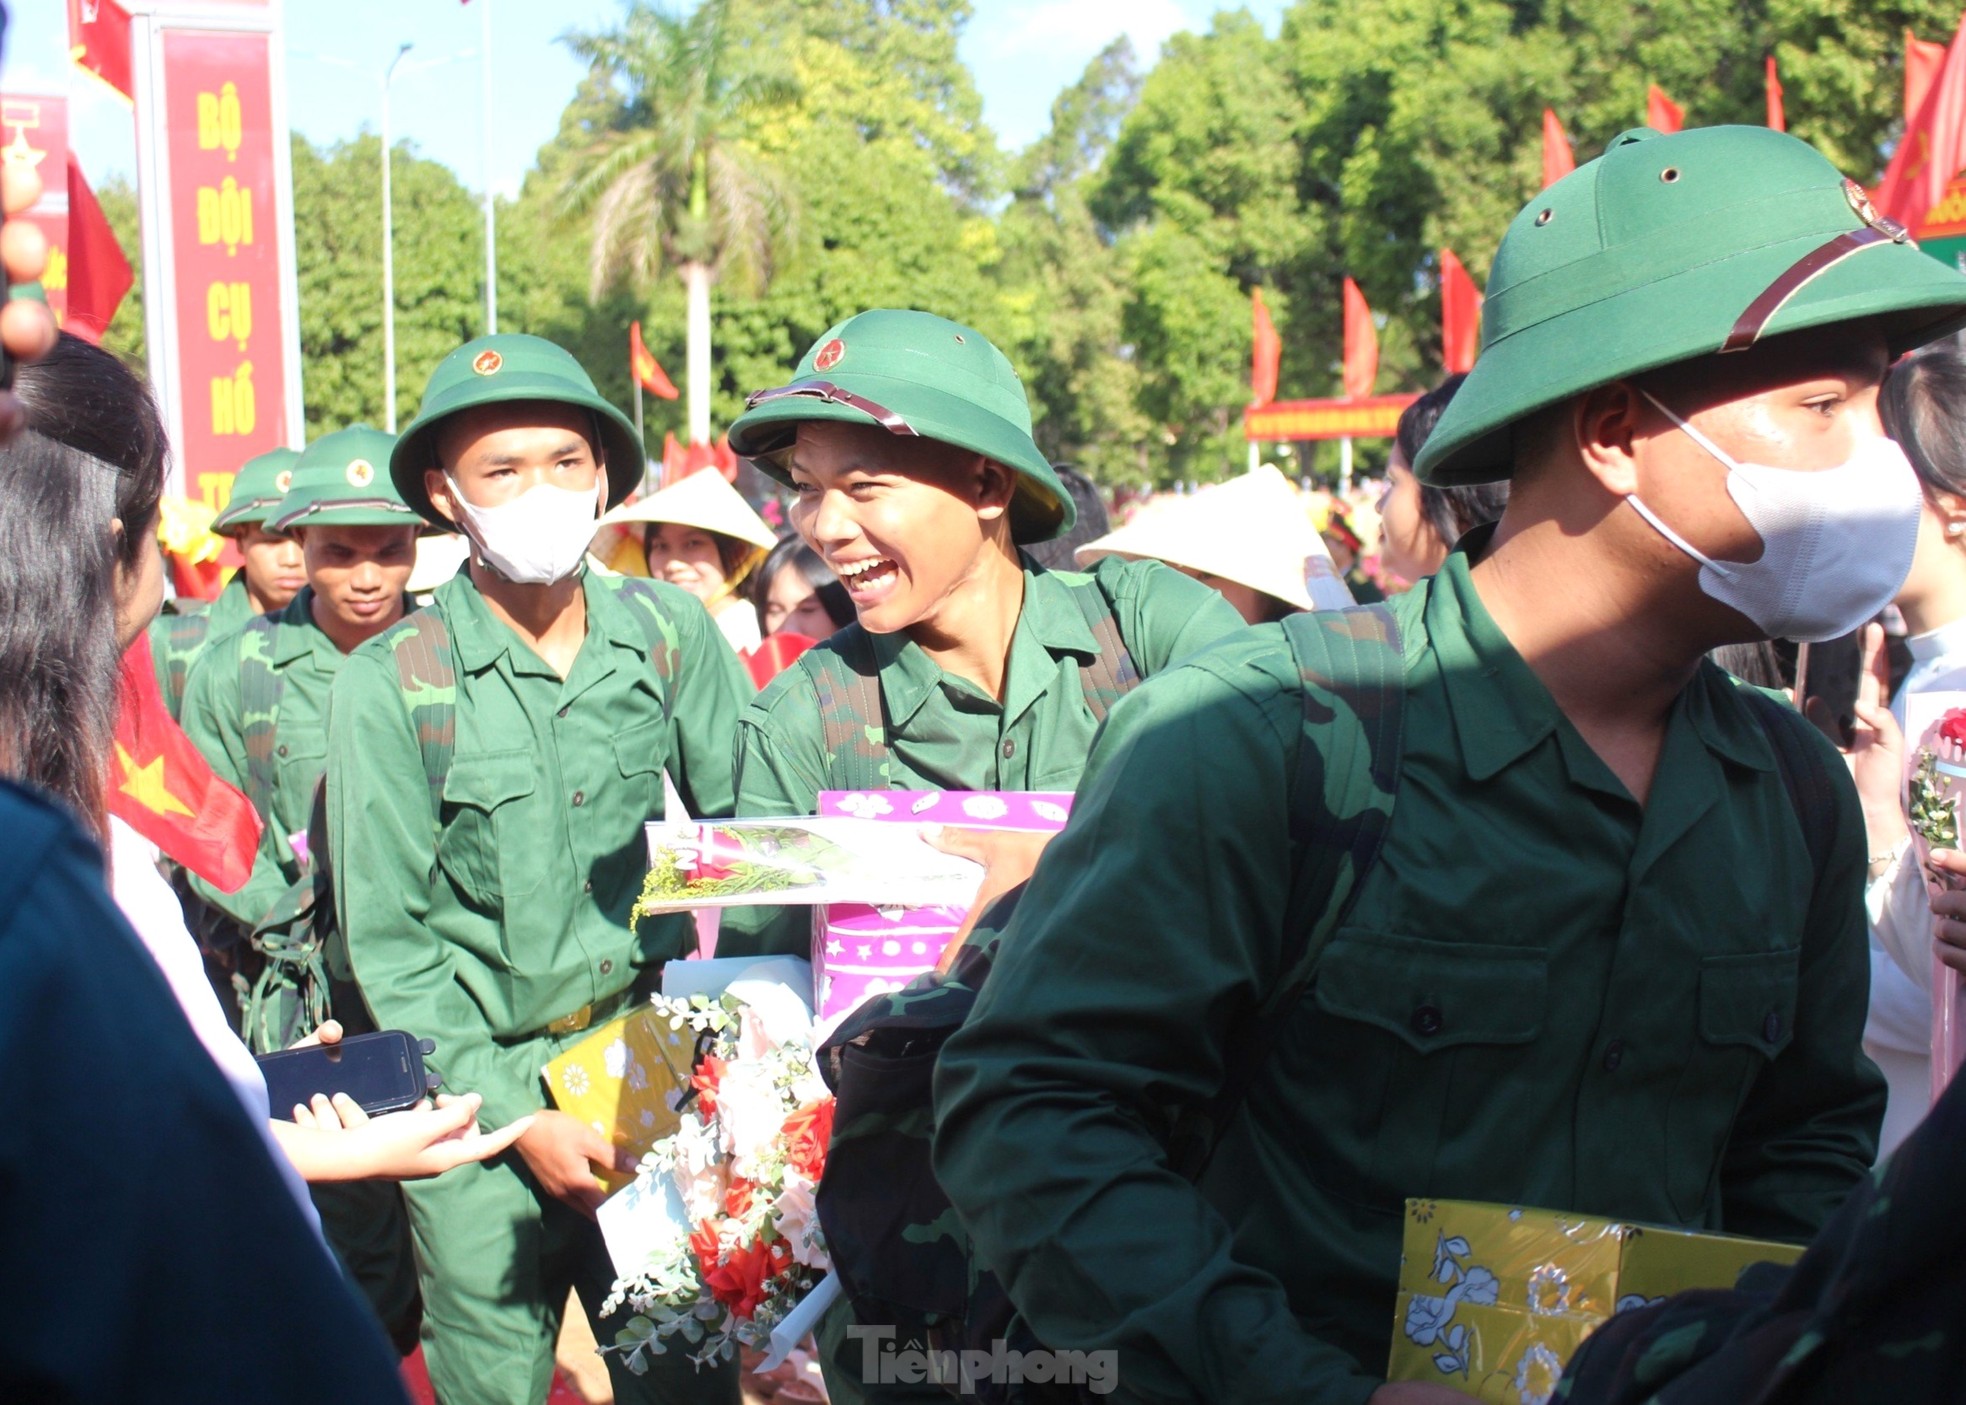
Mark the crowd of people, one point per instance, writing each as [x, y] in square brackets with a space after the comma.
[1501, 888]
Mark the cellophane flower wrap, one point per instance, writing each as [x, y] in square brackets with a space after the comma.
[1935, 725]
[734, 1239]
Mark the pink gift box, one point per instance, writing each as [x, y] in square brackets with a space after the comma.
[860, 951]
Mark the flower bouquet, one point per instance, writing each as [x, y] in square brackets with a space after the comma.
[717, 1242]
[733, 863]
[1936, 723]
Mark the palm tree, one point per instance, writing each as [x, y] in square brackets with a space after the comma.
[672, 183]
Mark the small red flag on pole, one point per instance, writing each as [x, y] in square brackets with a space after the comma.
[1361, 345]
[1923, 60]
[1934, 144]
[1266, 352]
[648, 371]
[98, 273]
[1460, 315]
[162, 788]
[1773, 83]
[1662, 114]
[1558, 160]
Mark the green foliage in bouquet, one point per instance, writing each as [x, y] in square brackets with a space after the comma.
[1933, 815]
[755, 860]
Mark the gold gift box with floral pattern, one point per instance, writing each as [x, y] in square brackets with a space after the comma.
[1494, 1299]
[626, 1081]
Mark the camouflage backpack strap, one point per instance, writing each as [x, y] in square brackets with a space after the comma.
[1110, 674]
[852, 715]
[1341, 804]
[183, 636]
[426, 671]
[658, 626]
[260, 688]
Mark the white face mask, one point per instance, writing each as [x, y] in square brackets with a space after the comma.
[1836, 544]
[539, 537]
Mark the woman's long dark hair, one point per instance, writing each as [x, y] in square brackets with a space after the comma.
[793, 552]
[93, 451]
[1923, 406]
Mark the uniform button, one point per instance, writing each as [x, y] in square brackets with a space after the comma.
[283, 748]
[1771, 1028]
[579, 798]
[568, 708]
[606, 967]
[1614, 1054]
[1427, 1020]
[1009, 750]
[588, 886]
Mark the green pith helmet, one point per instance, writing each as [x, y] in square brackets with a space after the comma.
[256, 491]
[496, 370]
[342, 480]
[912, 373]
[1671, 248]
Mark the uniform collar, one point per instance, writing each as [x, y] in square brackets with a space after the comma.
[1049, 620]
[1938, 643]
[1501, 708]
[479, 637]
[296, 630]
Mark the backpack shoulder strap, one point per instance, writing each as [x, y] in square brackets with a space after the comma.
[852, 713]
[1805, 774]
[261, 686]
[184, 634]
[651, 615]
[426, 672]
[1352, 667]
[1110, 674]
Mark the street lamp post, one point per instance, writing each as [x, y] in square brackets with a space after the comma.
[388, 260]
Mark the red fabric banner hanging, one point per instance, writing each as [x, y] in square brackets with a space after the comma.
[1266, 352]
[1361, 345]
[1662, 114]
[1558, 160]
[1460, 315]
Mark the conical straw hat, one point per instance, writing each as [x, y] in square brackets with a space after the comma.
[703, 500]
[1254, 530]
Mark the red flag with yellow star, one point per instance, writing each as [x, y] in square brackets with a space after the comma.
[161, 787]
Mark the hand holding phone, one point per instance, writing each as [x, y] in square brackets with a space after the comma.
[381, 1072]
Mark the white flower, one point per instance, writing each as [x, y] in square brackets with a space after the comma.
[773, 1012]
[1537, 1374]
[1426, 1317]
[797, 1219]
[866, 805]
[751, 1111]
[616, 1058]
[1549, 1291]
[985, 807]
[1050, 810]
[574, 1079]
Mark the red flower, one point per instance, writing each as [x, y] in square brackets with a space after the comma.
[739, 1197]
[1952, 726]
[705, 1078]
[738, 1282]
[715, 854]
[806, 1134]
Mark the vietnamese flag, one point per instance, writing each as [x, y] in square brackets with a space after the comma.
[1662, 114]
[99, 42]
[161, 787]
[1933, 147]
[1267, 350]
[1923, 60]
[1772, 84]
[1558, 160]
[647, 370]
[98, 273]
[1361, 345]
[1460, 315]
[673, 459]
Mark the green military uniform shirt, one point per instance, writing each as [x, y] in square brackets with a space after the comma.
[507, 912]
[943, 732]
[291, 746]
[1545, 995]
[178, 637]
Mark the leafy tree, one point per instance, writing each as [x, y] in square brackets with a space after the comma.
[671, 181]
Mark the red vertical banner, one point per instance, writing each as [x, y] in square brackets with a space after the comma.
[225, 254]
[34, 135]
[1460, 316]
[1361, 364]
[1558, 159]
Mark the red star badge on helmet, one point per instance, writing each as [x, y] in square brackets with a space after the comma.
[830, 355]
[487, 362]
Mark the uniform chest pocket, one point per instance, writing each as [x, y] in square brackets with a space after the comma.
[1400, 1040]
[1745, 1019]
[641, 752]
[299, 758]
[485, 846]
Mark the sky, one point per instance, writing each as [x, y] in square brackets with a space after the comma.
[1021, 51]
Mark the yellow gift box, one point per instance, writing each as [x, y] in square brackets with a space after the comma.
[625, 1080]
[1494, 1299]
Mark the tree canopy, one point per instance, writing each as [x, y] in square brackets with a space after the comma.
[1113, 258]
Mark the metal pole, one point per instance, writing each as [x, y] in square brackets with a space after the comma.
[641, 443]
[1345, 464]
[491, 232]
[388, 261]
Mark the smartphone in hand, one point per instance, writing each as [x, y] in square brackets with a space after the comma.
[382, 1072]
